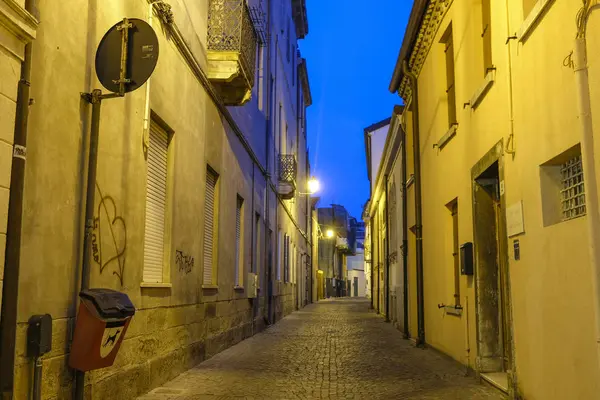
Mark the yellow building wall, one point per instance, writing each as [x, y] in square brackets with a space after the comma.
[551, 293]
[176, 326]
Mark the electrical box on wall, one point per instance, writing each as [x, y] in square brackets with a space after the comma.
[39, 335]
[466, 259]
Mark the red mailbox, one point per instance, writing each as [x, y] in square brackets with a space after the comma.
[102, 322]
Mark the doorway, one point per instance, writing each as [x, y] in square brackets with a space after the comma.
[355, 286]
[493, 303]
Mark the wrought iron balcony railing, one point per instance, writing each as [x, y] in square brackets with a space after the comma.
[288, 168]
[231, 41]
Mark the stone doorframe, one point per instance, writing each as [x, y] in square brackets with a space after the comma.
[487, 364]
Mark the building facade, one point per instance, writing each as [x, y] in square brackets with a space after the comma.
[199, 185]
[355, 262]
[498, 239]
[382, 214]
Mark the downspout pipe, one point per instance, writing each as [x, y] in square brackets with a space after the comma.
[371, 227]
[12, 258]
[418, 207]
[584, 110]
[404, 236]
[387, 253]
[268, 108]
[379, 264]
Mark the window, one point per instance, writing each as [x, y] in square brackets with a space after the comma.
[453, 207]
[392, 213]
[447, 41]
[486, 35]
[256, 244]
[280, 128]
[572, 193]
[156, 200]
[239, 240]
[260, 78]
[288, 49]
[286, 258]
[210, 228]
[562, 187]
[279, 254]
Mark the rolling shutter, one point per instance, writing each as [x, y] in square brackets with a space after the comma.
[286, 257]
[238, 235]
[156, 198]
[209, 226]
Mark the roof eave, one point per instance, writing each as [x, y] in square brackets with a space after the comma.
[412, 29]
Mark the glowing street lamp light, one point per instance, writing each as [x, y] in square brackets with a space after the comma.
[313, 185]
[329, 233]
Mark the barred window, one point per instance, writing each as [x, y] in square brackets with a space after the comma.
[573, 192]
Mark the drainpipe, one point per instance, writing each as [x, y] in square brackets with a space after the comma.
[587, 151]
[418, 208]
[268, 108]
[10, 289]
[387, 254]
[371, 223]
[404, 236]
[378, 266]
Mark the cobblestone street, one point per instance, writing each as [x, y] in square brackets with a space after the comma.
[336, 349]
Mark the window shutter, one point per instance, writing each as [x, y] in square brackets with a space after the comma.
[156, 197]
[238, 235]
[209, 226]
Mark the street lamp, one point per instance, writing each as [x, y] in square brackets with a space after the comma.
[329, 233]
[313, 187]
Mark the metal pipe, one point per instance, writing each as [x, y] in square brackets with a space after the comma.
[588, 160]
[387, 253]
[418, 209]
[12, 257]
[404, 237]
[372, 223]
[89, 215]
[268, 105]
[378, 266]
[467, 337]
[37, 379]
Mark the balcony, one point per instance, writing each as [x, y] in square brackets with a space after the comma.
[231, 50]
[287, 171]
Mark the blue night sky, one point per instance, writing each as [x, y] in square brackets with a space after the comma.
[351, 50]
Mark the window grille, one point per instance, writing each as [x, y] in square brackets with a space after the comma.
[573, 192]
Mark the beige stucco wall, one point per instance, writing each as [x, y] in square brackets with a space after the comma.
[550, 285]
[174, 327]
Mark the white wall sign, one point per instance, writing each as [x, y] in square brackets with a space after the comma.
[514, 219]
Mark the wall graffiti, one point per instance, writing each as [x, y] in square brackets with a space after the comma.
[185, 262]
[109, 238]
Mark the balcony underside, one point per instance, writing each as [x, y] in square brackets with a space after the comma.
[286, 190]
[226, 73]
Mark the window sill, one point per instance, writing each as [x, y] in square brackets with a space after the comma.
[446, 138]
[210, 287]
[534, 16]
[239, 288]
[480, 93]
[156, 285]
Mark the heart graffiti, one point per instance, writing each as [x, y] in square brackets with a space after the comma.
[109, 240]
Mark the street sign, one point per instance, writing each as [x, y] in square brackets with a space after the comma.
[140, 43]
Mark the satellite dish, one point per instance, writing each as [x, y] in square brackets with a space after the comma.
[142, 55]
